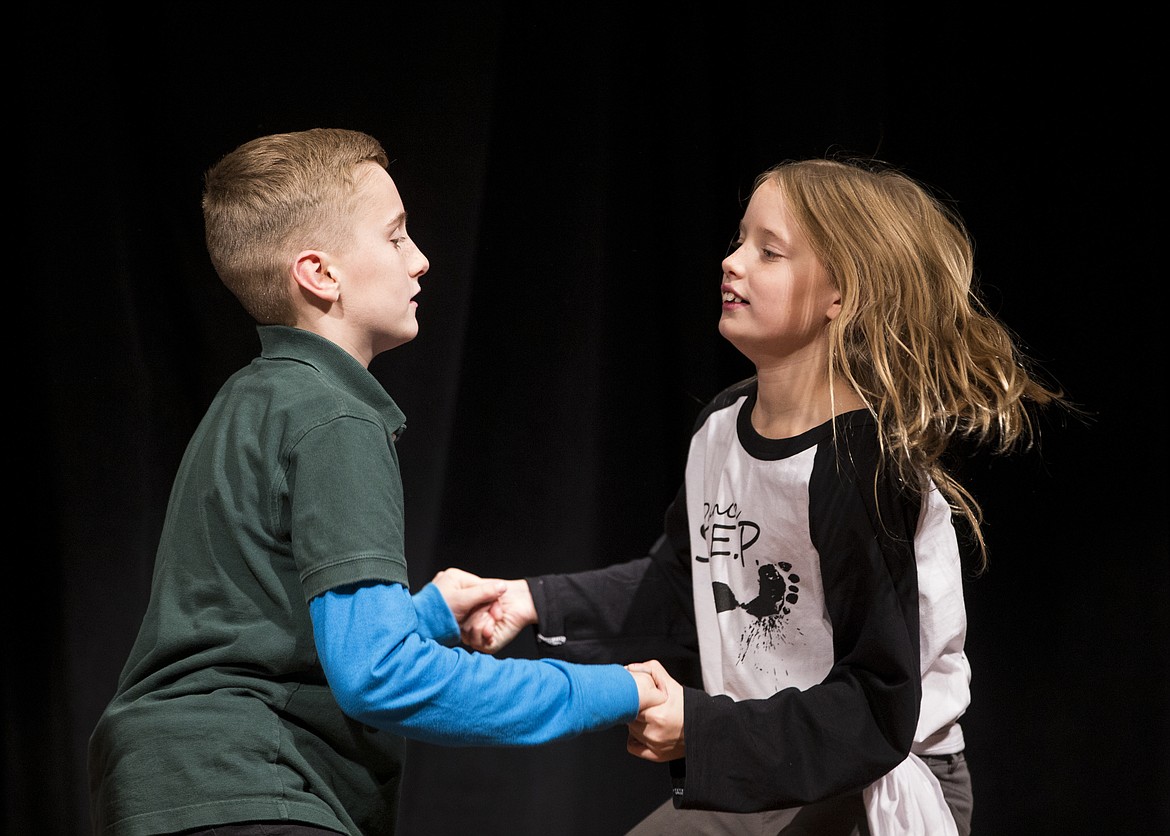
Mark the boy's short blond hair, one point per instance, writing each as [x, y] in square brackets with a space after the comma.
[274, 197]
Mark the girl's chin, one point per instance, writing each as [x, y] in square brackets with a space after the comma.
[727, 327]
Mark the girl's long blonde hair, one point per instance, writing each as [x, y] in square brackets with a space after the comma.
[913, 338]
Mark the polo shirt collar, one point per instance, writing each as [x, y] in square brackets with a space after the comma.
[283, 342]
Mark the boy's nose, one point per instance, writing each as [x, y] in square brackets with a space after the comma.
[421, 265]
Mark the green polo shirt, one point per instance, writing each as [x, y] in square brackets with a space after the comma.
[289, 487]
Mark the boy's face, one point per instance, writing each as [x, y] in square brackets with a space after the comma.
[777, 296]
[379, 272]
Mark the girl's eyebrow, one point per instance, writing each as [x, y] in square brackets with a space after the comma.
[768, 232]
[397, 221]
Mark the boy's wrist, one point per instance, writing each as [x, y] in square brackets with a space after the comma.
[435, 619]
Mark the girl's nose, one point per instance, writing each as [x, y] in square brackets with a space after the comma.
[730, 262]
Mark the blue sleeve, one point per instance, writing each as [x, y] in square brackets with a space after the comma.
[386, 672]
[435, 619]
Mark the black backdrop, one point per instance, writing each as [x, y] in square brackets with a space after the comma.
[575, 177]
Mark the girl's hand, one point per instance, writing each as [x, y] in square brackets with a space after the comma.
[657, 732]
[466, 593]
[490, 627]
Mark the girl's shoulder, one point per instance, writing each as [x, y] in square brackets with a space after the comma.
[855, 438]
[731, 394]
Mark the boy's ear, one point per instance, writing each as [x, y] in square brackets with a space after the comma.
[310, 270]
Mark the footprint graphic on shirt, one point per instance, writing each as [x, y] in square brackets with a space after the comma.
[779, 592]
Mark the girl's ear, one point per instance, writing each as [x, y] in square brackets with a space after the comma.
[834, 309]
[312, 273]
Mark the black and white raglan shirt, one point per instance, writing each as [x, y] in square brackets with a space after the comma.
[824, 598]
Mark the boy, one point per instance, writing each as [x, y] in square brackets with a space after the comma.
[282, 660]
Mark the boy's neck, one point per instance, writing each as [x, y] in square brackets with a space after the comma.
[336, 331]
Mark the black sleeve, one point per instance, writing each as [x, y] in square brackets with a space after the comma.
[628, 612]
[798, 747]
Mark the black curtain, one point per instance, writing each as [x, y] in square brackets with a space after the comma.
[575, 177]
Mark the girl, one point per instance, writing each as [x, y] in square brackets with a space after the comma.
[811, 555]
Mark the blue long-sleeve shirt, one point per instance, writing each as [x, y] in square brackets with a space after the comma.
[388, 660]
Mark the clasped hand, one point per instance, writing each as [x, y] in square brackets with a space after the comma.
[656, 734]
[492, 612]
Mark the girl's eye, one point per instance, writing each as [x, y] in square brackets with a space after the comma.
[770, 255]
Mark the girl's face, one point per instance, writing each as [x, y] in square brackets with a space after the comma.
[777, 296]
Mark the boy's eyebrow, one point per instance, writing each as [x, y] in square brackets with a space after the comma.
[397, 221]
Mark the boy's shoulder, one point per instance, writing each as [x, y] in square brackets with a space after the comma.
[304, 376]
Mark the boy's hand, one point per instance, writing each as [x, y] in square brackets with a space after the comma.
[490, 627]
[657, 732]
[649, 694]
[465, 593]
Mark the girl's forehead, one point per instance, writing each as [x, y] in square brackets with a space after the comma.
[768, 207]
[767, 195]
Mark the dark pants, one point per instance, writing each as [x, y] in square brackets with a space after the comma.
[261, 828]
[955, 779]
[838, 817]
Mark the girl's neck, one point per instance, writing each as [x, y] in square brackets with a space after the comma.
[789, 404]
